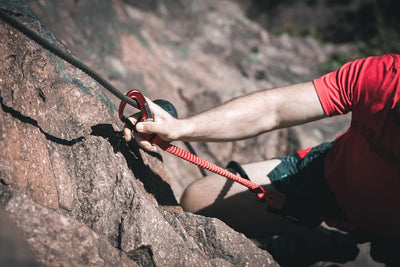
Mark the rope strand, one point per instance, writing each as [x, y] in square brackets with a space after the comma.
[65, 56]
[209, 166]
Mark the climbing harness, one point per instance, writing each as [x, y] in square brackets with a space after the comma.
[137, 100]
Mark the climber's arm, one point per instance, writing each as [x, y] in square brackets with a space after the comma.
[239, 118]
[254, 114]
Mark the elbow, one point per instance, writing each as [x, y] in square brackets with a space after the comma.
[271, 118]
[270, 122]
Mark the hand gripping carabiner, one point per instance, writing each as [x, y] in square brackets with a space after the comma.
[146, 113]
[144, 108]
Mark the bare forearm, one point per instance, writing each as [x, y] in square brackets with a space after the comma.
[254, 114]
[239, 118]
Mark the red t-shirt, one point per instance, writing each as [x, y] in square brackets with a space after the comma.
[363, 166]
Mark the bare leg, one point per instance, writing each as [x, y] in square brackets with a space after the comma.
[216, 196]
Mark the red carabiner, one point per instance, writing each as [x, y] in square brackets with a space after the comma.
[144, 107]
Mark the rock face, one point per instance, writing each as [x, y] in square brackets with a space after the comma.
[75, 192]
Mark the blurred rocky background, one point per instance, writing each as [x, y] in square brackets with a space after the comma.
[67, 177]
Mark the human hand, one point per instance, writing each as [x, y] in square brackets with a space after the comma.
[163, 124]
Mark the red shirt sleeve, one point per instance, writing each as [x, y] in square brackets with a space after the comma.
[342, 90]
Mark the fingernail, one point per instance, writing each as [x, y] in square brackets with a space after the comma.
[139, 127]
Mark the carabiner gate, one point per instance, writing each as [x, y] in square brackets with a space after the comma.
[144, 107]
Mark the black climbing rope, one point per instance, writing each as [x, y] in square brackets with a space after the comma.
[65, 56]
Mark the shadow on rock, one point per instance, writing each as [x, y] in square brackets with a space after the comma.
[153, 183]
[25, 119]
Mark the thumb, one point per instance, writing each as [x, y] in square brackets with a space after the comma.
[145, 127]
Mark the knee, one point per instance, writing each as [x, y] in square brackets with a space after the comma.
[190, 199]
[203, 195]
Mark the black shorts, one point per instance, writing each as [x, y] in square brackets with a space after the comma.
[302, 180]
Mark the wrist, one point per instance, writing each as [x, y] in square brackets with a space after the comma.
[184, 130]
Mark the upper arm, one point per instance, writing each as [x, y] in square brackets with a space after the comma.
[297, 104]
